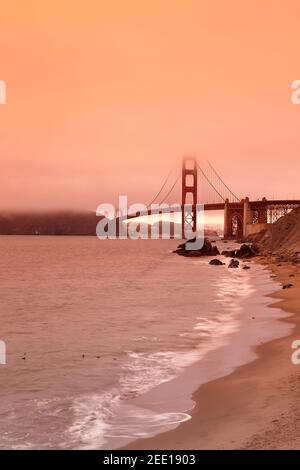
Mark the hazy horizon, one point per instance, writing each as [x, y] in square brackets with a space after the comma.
[104, 99]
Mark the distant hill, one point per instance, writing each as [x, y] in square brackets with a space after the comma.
[69, 223]
[49, 223]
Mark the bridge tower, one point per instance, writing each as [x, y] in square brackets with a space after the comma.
[189, 195]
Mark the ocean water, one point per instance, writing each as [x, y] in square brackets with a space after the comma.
[93, 327]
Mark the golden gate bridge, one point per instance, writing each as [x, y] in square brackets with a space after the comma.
[242, 217]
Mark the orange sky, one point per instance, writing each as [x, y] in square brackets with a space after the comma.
[103, 97]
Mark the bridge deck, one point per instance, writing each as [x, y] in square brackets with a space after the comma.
[215, 207]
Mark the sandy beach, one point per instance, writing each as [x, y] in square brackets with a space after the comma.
[255, 407]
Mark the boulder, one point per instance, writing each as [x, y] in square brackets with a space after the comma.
[229, 253]
[208, 249]
[234, 263]
[287, 286]
[216, 262]
[245, 251]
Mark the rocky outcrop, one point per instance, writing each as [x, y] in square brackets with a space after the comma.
[208, 249]
[245, 251]
[281, 239]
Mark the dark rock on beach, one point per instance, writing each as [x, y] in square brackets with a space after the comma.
[228, 253]
[245, 251]
[234, 263]
[208, 249]
[216, 262]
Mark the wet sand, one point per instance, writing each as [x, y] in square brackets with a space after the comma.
[258, 405]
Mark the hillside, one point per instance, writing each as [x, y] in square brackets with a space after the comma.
[282, 238]
[49, 223]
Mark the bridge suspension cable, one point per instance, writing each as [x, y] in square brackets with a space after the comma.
[210, 175]
[161, 189]
[210, 183]
[222, 181]
[172, 187]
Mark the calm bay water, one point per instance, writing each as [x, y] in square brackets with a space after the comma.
[91, 325]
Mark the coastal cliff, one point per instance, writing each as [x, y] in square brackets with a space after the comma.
[282, 238]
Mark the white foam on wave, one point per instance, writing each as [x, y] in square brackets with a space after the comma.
[112, 418]
[107, 417]
[92, 414]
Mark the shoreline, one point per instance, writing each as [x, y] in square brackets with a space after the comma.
[255, 406]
